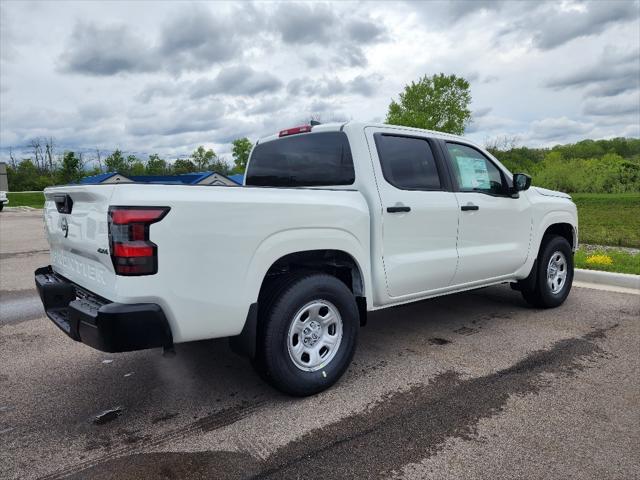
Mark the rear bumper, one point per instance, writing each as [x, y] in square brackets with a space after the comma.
[99, 323]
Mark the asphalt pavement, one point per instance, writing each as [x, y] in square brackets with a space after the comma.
[474, 385]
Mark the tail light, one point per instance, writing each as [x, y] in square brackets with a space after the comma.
[132, 252]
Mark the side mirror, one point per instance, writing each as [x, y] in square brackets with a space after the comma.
[521, 182]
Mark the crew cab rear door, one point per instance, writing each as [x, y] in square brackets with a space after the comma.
[419, 212]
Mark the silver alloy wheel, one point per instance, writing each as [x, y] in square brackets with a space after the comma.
[557, 272]
[314, 335]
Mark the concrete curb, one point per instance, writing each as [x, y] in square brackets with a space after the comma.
[623, 280]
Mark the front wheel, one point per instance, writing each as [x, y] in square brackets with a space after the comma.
[307, 335]
[554, 274]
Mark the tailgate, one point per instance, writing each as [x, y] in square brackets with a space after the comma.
[77, 229]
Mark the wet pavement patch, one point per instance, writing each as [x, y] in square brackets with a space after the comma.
[412, 425]
[174, 465]
[466, 331]
[164, 418]
[439, 341]
[404, 428]
[107, 416]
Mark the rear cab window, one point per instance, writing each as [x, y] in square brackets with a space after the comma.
[305, 160]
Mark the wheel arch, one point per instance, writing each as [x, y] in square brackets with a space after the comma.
[561, 223]
[336, 252]
[565, 230]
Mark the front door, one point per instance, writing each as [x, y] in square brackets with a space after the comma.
[419, 213]
[495, 227]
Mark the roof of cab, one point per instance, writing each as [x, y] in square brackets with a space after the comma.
[336, 126]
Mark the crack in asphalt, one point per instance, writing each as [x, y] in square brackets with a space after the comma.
[403, 428]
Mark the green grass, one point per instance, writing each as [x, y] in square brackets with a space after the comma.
[609, 219]
[623, 262]
[26, 199]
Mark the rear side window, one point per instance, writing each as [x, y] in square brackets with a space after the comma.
[316, 159]
[408, 163]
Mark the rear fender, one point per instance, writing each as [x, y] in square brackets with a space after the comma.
[287, 242]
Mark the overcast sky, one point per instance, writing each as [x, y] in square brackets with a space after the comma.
[167, 76]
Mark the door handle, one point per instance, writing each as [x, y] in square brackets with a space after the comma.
[398, 209]
[466, 208]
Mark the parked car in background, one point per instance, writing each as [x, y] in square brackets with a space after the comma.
[333, 221]
[3, 199]
[3, 185]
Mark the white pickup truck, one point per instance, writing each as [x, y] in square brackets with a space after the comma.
[333, 221]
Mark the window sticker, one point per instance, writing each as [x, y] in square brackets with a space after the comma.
[473, 173]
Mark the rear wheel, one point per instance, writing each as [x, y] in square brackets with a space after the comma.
[1, 206]
[308, 332]
[553, 275]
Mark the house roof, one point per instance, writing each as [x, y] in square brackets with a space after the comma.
[99, 178]
[238, 178]
[185, 178]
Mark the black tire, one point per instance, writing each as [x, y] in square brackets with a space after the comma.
[536, 290]
[1, 206]
[280, 304]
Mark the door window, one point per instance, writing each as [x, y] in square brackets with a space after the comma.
[407, 162]
[474, 172]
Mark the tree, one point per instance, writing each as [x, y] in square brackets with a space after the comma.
[241, 149]
[156, 165]
[71, 169]
[440, 102]
[183, 165]
[203, 158]
[136, 167]
[116, 162]
[220, 166]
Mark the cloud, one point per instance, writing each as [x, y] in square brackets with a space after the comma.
[303, 23]
[106, 50]
[551, 25]
[483, 121]
[236, 80]
[318, 25]
[179, 120]
[192, 39]
[268, 106]
[365, 31]
[195, 39]
[551, 31]
[482, 112]
[332, 86]
[620, 106]
[448, 12]
[558, 128]
[364, 85]
[160, 89]
[614, 73]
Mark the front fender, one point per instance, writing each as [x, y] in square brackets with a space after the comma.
[550, 218]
